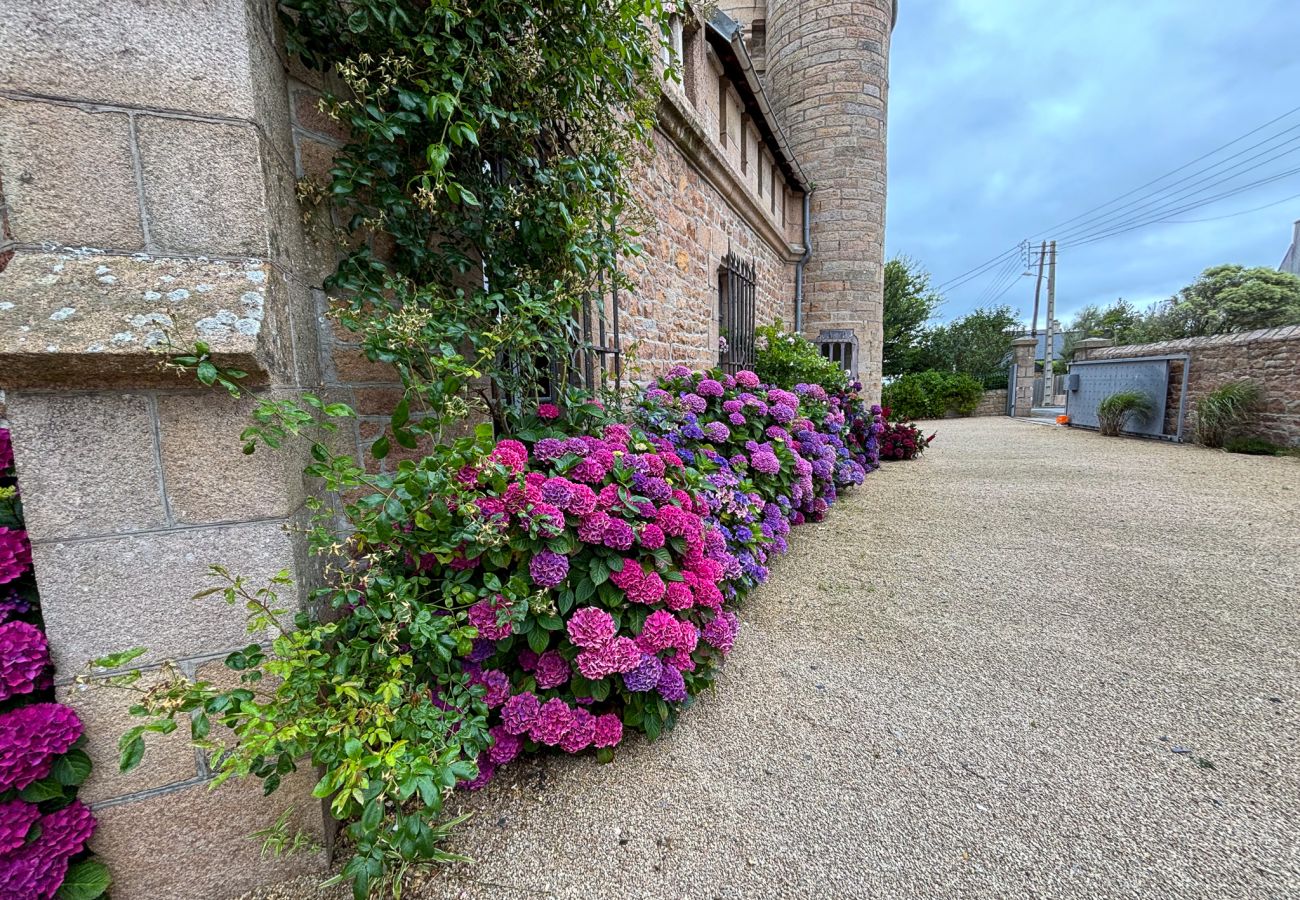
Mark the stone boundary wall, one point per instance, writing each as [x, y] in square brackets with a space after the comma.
[1269, 357]
[993, 403]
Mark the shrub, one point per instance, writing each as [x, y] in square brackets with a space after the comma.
[932, 395]
[903, 440]
[1258, 447]
[1225, 411]
[788, 359]
[1114, 412]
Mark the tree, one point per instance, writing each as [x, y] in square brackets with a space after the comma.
[1232, 298]
[1122, 322]
[910, 302]
[977, 344]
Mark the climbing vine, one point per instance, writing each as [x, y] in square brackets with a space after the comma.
[486, 169]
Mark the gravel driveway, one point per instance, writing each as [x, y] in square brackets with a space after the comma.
[1035, 663]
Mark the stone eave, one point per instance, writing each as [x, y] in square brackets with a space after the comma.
[683, 128]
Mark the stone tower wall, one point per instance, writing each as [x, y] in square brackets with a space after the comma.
[827, 74]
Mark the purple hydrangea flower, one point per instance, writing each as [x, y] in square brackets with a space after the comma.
[15, 554]
[672, 686]
[24, 654]
[552, 721]
[519, 712]
[552, 670]
[548, 568]
[30, 738]
[644, 677]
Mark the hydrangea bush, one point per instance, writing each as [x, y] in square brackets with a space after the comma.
[43, 828]
[902, 440]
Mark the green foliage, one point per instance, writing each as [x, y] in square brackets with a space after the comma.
[86, 880]
[931, 395]
[785, 358]
[910, 302]
[1224, 299]
[1223, 412]
[488, 146]
[1258, 447]
[1114, 412]
[977, 344]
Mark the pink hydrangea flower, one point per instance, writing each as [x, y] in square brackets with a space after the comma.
[608, 731]
[591, 628]
[747, 379]
[553, 720]
[582, 500]
[30, 738]
[15, 554]
[682, 661]
[511, 454]
[24, 654]
[659, 632]
[552, 670]
[484, 616]
[6, 450]
[548, 411]
[649, 589]
[618, 535]
[519, 712]
[581, 733]
[505, 746]
[16, 819]
[651, 536]
[678, 596]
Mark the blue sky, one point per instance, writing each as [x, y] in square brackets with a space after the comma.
[1007, 118]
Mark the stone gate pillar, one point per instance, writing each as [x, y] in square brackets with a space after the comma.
[147, 186]
[828, 73]
[1023, 351]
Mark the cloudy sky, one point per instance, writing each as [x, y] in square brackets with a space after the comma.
[1007, 118]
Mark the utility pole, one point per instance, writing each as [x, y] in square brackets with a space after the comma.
[1049, 376]
[1038, 289]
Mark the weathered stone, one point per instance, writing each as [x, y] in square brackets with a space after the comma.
[68, 175]
[105, 595]
[197, 843]
[104, 710]
[77, 318]
[204, 188]
[87, 463]
[207, 475]
[175, 56]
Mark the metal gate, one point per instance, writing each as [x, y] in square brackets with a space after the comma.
[1092, 381]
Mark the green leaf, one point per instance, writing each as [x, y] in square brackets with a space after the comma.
[40, 791]
[206, 372]
[71, 768]
[131, 749]
[85, 880]
[538, 639]
[379, 449]
[600, 689]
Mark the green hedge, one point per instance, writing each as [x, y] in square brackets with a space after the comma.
[931, 395]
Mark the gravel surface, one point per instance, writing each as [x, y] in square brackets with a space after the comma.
[1035, 663]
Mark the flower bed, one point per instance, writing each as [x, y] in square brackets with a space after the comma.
[638, 543]
[43, 827]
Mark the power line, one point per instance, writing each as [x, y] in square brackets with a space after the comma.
[977, 270]
[1244, 212]
[1157, 180]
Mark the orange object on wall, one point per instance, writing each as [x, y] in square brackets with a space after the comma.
[1062, 420]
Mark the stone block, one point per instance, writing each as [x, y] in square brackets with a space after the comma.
[105, 595]
[175, 56]
[88, 463]
[68, 175]
[197, 843]
[204, 187]
[88, 319]
[169, 759]
[208, 477]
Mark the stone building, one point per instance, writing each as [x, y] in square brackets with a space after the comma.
[150, 159]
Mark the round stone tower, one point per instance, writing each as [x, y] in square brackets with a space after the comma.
[828, 75]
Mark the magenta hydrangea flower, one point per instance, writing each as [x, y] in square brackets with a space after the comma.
[591, 628]
[688, 637]
[30, 738]
[747, 379]
[15, 554]
[659, 632]
[651, 536]
[609, 730]
[484, 614]
[6, 450]
[591, 530]
[505, 746]
[618, 535]
[497, 684]
[694, 403]
[682, 661]
[552, 721]
[16, 820]
[548, 568]
[548, 411]
[558, 491]
[678, 596]
[649, 589]
[582, 500]
[519, 712]
[511, 454]
[621, 655]
[552, 670]
[37, 870]
[672, 686]
[580, 733]
[765, 461]
[709, 388]
[24, 654]
[720, 632]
